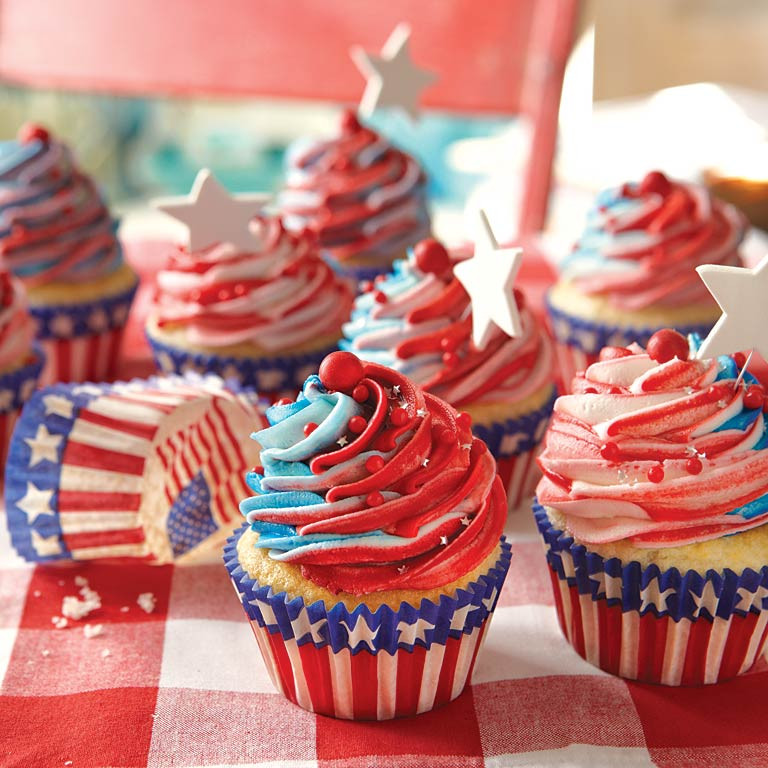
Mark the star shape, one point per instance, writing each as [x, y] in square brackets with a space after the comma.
[361, 633]
[396, 389]
[58, 406]
[410, 633]
[62, 326]
[421, 413]
[488, 277]
[425, 462]
[393, 80]
[741, 293]
[650, 596]
[465, 520]
[43, 446]
[6, 399]
[35, 502]
[212, 215]
[459, 618]
[706, 599]
[45, 546]
[98, 321]
[342, 441]
[86, 389]
[747, 599]
[401, 569]
[467, 446]
[444, 541]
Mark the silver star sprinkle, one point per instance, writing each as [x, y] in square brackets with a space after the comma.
[396, 389]
[465, 520]
[467, 446]
[421, 413]
[342, 441]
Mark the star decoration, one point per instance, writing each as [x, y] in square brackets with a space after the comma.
[342, 441]
[62, 326]
[393, 80]
[211, 215]
[444, 540]
[43, 446]
[741, 293]
[401, 569]
[396, 389]
[361, 633]
[488, 601]
[510, 444]
[315, 629]
[86, 389]
[6, 399]
[98, 321]
[467, 446]
[35, 502]
[707, 599]
[650, 596]
[410, 633]
[465, 520]
[120, 314]
[425, 462]
[747, 599]
[421, 413]
[488, 277]
[58, 406]
[45, 546]
[459, 618]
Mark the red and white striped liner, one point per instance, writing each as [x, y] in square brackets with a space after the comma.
[569, 361]
[520, 474]
[657, 649]
[93, 357]
[368, 686]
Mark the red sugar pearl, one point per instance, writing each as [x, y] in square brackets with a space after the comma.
[239, 290]
[341, 372]
[431, 257]
[357, 424]
[374, 463]
[464, 420]
[667, 344]
[398, 417]
[374, 498]
[693, 466]
[656, 473]
[360, 393]
[753, 397]
[309, 428]
[380, 297]
[446, 343]
[223, 295]
[258, 469]
[615, 391]
[450, 358]
[609, 451]
[284, 401]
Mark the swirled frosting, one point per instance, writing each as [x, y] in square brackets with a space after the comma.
[16, 326]
[643, 242]
[54, 225]
[277, 296]
[658, 454]
[380, 489]
[358, 193]
[419, 322]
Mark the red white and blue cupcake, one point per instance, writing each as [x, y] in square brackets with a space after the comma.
[372, 557]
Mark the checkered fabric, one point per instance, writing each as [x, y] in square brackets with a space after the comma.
[185, 686]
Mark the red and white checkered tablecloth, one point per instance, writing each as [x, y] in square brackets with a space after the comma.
[185, 685]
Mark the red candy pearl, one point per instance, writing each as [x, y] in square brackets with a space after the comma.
[667, 344]
[31, 132]
[258, 469]
[431, 257]
[446, 343]
[357, 424]
[341, 372]
[360, 393]
[380, 297]
[656, 474]
[374, 463]
[374, 499]
[609, 451]
[464, 420]
[398, 417]
[753, 397]
[450, 358]
[309, 428]
[613, 353]
[693, 465]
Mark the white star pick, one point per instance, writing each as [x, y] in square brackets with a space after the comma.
[35, 503]
[211, 215]
[488, 277]
[741, 294]
[60, 406]
[43, 446]
[393, 79]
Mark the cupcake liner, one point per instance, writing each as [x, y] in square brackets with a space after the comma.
[124, 471]
[16, 387]
[357, 273]
[368, 665]
[514, 444]
[651, 625]
[82, 341]
[271, 376]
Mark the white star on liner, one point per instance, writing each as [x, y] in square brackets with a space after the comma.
[35, 502]
[488, 601]
[650, 596]
[747, 598]
[393, 80]
[212, 215]
[488, 276]
[361, 633]
[459, 618]
[43, 446]
[58, 406]
[6, 398]
[62, 326]
[98, 321]
[707, 599]
[741, 294]
[410, 633]
[45, 545]
[342, 441]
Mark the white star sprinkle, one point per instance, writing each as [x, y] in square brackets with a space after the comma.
[421, 413]
[342, 441]
[35, 502]
[467, 446]
[396, 389]
[58, 406]
[444, 540]
[465, 520]
[425, 462]
[401, 569]
[44, 446]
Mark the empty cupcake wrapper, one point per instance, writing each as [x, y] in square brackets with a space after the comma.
[651, 625]
[364, 665]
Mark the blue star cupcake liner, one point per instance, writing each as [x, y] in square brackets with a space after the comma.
[653, 625]
[148, 469]
[82, 340]
[368, 665]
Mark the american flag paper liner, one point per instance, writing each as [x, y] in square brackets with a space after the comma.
[369, 665]
[652, 625]
[143, 469]
[82, 340]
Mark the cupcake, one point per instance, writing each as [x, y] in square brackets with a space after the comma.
[57, 237]
[364, 198]
[418, 321]
[653, 510]
[373, 555]
[21, 358]
[149, 469]
[633, 271]
[266, 316]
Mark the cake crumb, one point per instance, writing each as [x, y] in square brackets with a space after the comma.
[45, 652]
[105, 653]
[146, 601]
[93, 630]
[125, 609]
[81, 581]
[74, 608]
[37, 593]
[59, 622]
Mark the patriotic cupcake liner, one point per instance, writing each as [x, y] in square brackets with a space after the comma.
[578, 341]
[16, 387]
[273, 377]
[82, 341]
[368, 665]
[126, 471]
[653, 625]
[514, 444]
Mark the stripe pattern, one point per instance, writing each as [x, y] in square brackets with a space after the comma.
[93, 357]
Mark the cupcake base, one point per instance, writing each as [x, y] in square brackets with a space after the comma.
[363, 665]
[651, 625]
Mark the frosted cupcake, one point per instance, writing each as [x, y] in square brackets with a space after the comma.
[653, 509]
[633, 271]
[373, 556]
[364, 198]
[418, 321]
[266, 316]
[58, 238]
